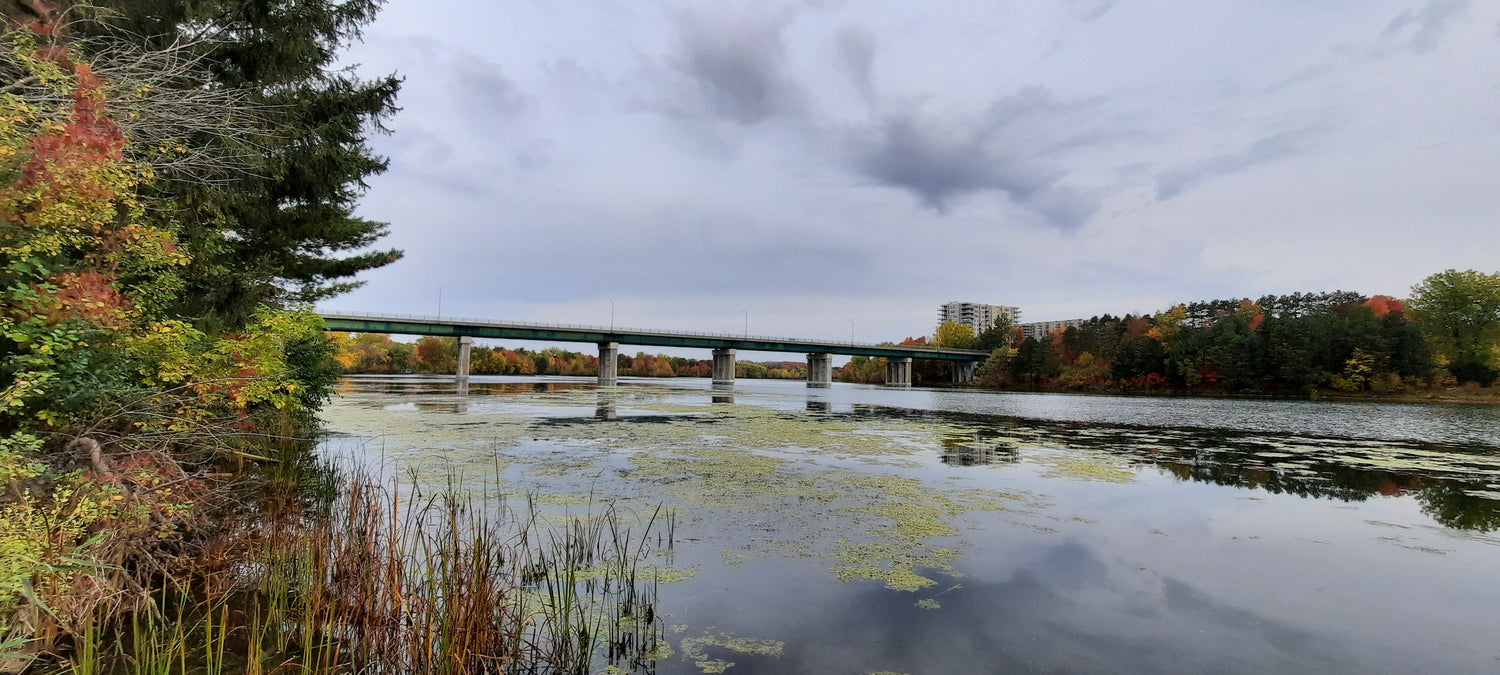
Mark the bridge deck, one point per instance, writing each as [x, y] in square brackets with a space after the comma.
[515, 330]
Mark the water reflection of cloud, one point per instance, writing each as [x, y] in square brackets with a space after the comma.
[1065, 610]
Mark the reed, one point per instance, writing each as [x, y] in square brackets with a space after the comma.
[449, 582]
[391, 579]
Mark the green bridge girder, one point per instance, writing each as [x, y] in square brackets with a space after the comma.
[371, 323]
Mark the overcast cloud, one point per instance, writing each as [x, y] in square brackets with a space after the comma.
[821, 163]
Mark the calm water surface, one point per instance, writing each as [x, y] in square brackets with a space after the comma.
[861, 529]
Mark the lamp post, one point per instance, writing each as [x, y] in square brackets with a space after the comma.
[611, 315]
[747, 323]
[851, 330]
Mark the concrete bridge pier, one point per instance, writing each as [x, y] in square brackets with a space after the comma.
[724, 366]
[609, 364]
[819, 370]
[963, 371]
[461, 374]
[898, 372]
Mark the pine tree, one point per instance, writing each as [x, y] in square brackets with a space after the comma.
[283, 231]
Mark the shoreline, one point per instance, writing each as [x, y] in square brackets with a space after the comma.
[1448, 396]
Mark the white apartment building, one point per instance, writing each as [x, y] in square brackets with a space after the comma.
[1037, 330]
[976, 315]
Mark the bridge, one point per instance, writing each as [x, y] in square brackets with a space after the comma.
[898, 358]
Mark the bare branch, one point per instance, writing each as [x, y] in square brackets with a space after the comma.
[176, 118]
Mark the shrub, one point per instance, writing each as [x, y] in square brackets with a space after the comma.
[1473, 369]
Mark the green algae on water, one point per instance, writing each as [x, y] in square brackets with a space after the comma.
[754, 470]
[696, 650]
[668, 575]
[1088, 466]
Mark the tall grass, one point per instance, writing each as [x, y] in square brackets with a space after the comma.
[401, 580]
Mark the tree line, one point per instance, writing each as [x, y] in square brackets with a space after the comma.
[1447, 333]
[378, 353]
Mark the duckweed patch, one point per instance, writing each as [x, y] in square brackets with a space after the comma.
[696, 649]
[668, 575]
[1077, 466]
[929, 603]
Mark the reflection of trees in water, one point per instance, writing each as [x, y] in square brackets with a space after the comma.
[445, 384]
[1443, 499]
[1318, 480]
[1248, 460]
[1450, 505]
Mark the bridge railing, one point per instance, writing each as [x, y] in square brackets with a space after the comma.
[619, 329]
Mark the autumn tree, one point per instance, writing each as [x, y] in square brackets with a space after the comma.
[99, 373]
[80, 259]
[437, 354]
[953, 335]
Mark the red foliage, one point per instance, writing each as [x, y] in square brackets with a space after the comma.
[1257, 321]
[430, 351]
[914, 342]
[89, 138]
[87, 294]
[1385, 304]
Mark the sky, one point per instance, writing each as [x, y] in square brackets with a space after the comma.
[823, 168]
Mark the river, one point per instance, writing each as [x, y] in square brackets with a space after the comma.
[862, 529]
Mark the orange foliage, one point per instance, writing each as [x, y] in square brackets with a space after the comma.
[87, 294]
[1385, 304]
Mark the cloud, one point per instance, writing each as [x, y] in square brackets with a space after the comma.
[856, 52]
[482, 89]
[1422, 29]
[941, 161]
[1174, 182]
[1089, 10]
[735, 63]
